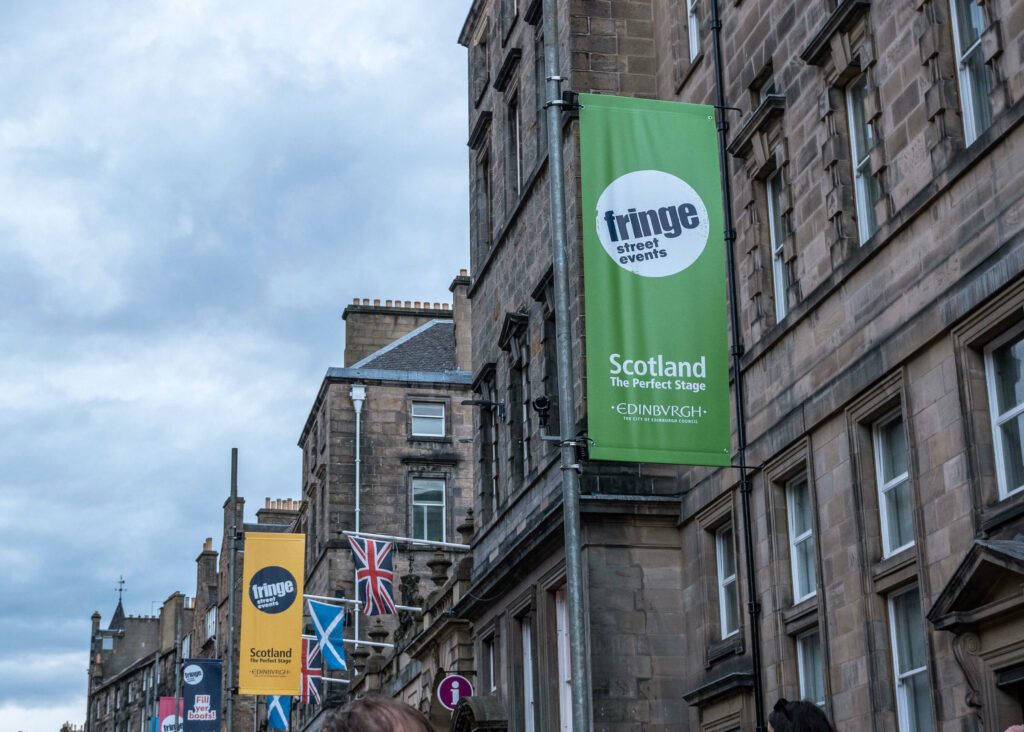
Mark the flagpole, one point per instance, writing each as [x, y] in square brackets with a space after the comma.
[346, 601]
[408, 540]
[375, 644]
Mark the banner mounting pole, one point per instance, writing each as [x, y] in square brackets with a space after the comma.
[229, 677]
[578, 654]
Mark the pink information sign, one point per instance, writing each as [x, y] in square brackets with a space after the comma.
[452, 688]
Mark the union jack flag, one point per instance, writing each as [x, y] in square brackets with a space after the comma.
[312, 672]
[374, 575]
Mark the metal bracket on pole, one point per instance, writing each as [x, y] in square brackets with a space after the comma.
[569, 102]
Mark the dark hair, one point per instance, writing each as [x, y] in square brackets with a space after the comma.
[376, 714]
[798, 716]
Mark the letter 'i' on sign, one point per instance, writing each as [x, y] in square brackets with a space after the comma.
[270, 642]
[654, 277]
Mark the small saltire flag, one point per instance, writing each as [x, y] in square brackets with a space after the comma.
[312, 671]
[374, 575]
[329, 624]
[278, 709]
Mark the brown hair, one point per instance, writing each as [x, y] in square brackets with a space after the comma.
[376, 714]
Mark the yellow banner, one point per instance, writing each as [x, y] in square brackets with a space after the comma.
[270, 647]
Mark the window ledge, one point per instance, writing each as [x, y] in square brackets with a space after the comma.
[739, 681]
[895, 571]
[1008, 509]
[801, 616]
[483, 123]
[429, 438]
[689, 72]
[731, 646]
[451, 460]
[508, 69]
[842, 18]
[771, 108]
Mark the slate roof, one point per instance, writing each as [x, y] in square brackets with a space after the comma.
[117, 621]
[431, 347]
[1012, 548]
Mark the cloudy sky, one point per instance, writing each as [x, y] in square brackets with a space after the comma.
[190, 193]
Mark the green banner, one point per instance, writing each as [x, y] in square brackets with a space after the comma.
[654, 278]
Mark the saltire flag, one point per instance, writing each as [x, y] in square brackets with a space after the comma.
[374, 575]
[329, 624]
[278, 709]
[312, 671]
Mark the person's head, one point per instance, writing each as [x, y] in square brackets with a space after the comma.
[376, 714]
[799, 716]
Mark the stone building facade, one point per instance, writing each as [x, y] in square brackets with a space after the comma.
[410, 362]
[135, 661]
[132, 664]
[875, 167]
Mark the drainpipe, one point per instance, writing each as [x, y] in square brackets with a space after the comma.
[358, 395]
[753, 606]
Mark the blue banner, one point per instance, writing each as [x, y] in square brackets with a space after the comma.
[202, 677]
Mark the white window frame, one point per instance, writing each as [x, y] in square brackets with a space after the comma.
[900, 677]
[522, 363]
[427, 505]
[726, 579]
[803, 672]
[495, 420]
[886, 486]
[514, 120]
[430, 419]
[999, 419]
[970, 96]
[564, 667]
[490, 658]
[780, 280]
[210, 623]
[861, 163]
[529, 702]
[186, 646]
[693, 28]
[796, 539]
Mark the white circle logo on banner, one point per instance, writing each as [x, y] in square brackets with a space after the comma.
[193, 674]
[652, 223]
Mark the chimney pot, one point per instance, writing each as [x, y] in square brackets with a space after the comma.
[366, 301]
[376, 302]
[408, 304]
[444, 306]
[388, 303]
[355, 300]
[462, 273]
[267, 503]
[416, 304]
